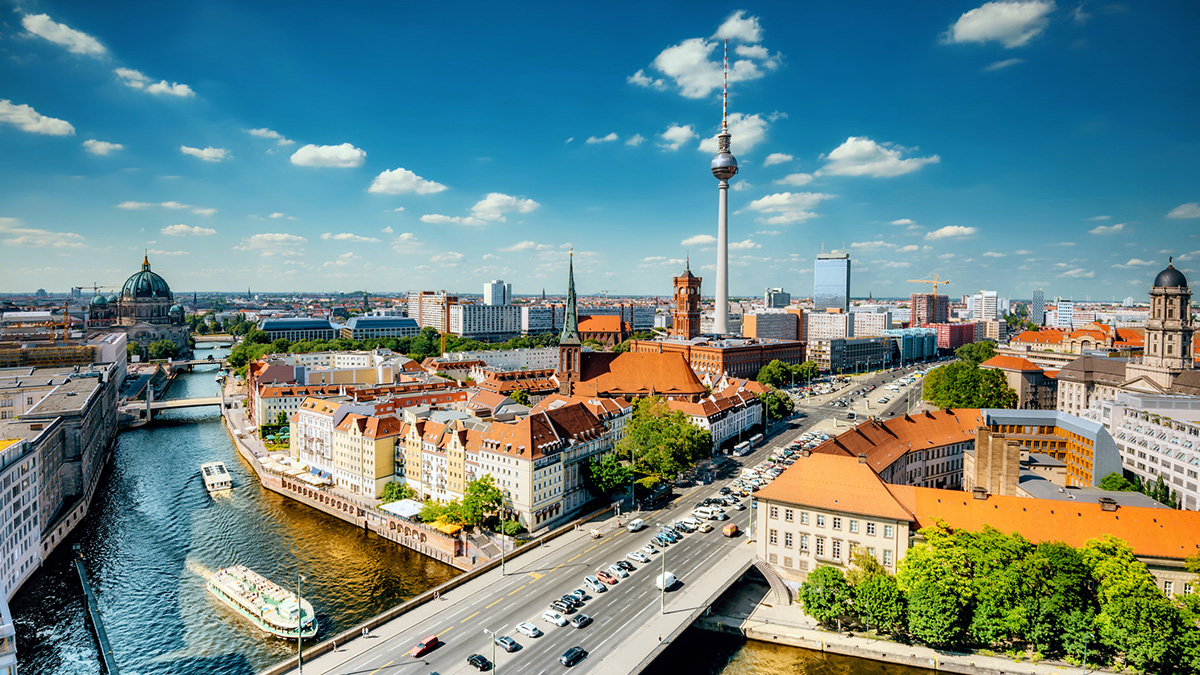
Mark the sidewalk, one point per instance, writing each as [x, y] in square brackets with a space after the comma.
[751, 610]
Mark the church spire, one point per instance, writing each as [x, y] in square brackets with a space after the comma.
[146, 261]
[570, 331]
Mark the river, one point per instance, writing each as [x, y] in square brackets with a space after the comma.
[152, 534]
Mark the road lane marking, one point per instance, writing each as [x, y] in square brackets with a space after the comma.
[469, 617]
[576, 556]
[445, 630]
[588, 549]
[522, 587]
[382, 667]
[494, 603]
[536, 576]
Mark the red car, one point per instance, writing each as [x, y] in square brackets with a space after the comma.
[606, 577]
[424, 646]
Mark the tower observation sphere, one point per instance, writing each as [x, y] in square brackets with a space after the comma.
[724, 165]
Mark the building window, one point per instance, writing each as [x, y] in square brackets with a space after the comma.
[837, 549]
[854, 527]
[871, 529]
[774, 536]
[1168, 588]
[804, 517]
[774, 512]
[871, 551]
[787, 539]
[820, 546]
[787, 561]
[804, 542]
[820, 520]
[887, 558]
[837, 523]
[887, 531]
[787, 515]
[772, 558]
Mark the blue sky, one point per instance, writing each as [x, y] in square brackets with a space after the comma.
[390, 146]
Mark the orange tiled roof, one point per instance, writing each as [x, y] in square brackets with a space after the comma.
[600, 323]
[1044, 337]
[543, 433]
[884, 442]
[637, 375]
[837, 483]
[1051, 374]
[600, 407]
[1010, 363]
[372, 426]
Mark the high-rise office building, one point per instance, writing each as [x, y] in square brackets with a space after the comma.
[928, 308]
[831, 282]
[776, 298]
[1064, 314]
[985, 306]
[1037, 308]
[497, 292]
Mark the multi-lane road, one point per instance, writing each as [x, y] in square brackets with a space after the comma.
[533, 581]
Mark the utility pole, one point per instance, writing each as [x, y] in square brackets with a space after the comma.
[662, 583]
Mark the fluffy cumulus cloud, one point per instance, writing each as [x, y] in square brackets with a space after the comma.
[635, 140]
[75, 41]
[209, 154]
[695, 65]
[861, 156]
[699, 240]
[777, 158]
[1189, 210]
[1011, 23]
[783, 208]
[26, 118]
[1136, 262]
[272, 243]
[902, 221]
[795, 179]
[402, 181]
[344, 156]
[342, 260]
[951, 232]
[439, 219]
[136, 80]
[496, 204]
[1108, 229]
[661, 261]
[1078, 273]
[993, 254]
[347, 236]
[101, 148]
[592, 140]
[675, 136]
[747, 131]
[174, 206]
[911, 248]
[14, 233]
[447, 258]
[270, 135]
[743, 245]
[188, 231]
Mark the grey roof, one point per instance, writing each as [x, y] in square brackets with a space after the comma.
[382, 322]
[300, 323]
[1094, 369]
[1079, 425]
[1039, 487]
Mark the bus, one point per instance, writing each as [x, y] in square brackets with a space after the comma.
[742, 449]
[756, 440]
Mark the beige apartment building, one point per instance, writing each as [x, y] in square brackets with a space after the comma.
[364, 453]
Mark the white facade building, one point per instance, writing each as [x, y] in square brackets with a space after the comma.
[507, 359]
[496, 292]
[826, 326]
[485, 322]
[870, 324]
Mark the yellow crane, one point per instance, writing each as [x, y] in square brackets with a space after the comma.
[935, 283]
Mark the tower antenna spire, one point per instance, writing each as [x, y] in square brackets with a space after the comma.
[725, 89]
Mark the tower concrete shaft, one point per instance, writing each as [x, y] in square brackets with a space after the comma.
[721, 310]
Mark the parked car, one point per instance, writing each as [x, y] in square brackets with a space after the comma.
[553, 617]
[625, 565]
[529, 630]
[649, 550]
[581, 594]
[479, 662]
[571, 600]
[562, 607]
[507, 644]
[638, 556]
[572, 656]
[594, 584]
[705, 527]
[606, 577]
[581, 621]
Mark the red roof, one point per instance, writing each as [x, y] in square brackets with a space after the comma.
[601, 323]
[631, 374]
[1011, 363]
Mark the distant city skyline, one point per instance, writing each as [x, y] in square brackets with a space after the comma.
[329, 150]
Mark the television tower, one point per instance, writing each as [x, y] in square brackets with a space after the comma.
[724, 167]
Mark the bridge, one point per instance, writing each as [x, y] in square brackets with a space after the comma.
[150, 406]
[192, 363]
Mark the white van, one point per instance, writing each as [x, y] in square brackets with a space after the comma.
[665, 581]
[704, 512]
[636, 524]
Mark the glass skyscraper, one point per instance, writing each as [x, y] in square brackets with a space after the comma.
[831, 282]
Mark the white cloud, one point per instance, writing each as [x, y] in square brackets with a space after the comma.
[1108, 229]
[946, 256]
[272, 243]
[209, 154]
[592, 140]
[871, 244]
[951, 232]
[26, 118]
[740, 27]
[641, 79]
[777, 158]
[447, 258]
[902, 221]
[699, 240]
[342, 260]
[1100, 218]
[911, 248]
[1136, 262]
[175, 206]
[136, 80]
[401, 181]
[496, 204]
[568, 140]
[60, 34]
[1001, 65]
[1022, 252]
[527, 246]
[1078, 273]
[675, 136]
[387, 230]
[135, 206]
[158, 252]
[795, 179]
[742, 185]
[406, 242]
[861, 156]
[895, 263]
[101, 148]
[344, 156]
[635, 140]
[347, 236]
[439, 219]
[1189, 210]
[743, 245]
[1009, 22]
[13, 234]
[277, 215]
[994, 254]
[270, 134]
[661, 261]
[187, 231]
[747, 131]
[788, 207]
[489, 256]
[203, 212]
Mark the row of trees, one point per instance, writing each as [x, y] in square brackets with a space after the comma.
[1158, 490]
[481, 500]
[964, 384]
[779, 374]
[990, 590]
[156, 351]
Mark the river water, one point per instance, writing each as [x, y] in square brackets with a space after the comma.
[153, 532]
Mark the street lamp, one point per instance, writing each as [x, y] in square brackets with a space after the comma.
[299, 625]
[662, 583]
[495, 666]
[1085, 651]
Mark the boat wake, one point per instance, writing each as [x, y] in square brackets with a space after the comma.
[198, 569]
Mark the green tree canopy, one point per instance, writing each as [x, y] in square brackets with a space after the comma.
[662, 442]
[777, 404]
[965, 385]
[163, 349]
[879, 602]
[976, 352]
[775, 374]
[606, 474]
[1117, 482]
[520, 396]
[825, 595]
[394, 491]
[481, 498]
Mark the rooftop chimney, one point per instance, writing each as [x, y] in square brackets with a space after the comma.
[1107, 504]
[980, 493]
[862, 458]
[805, 452]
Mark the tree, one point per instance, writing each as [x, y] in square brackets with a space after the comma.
[863, 566]
[777, 404]
[132, 349]
[519, 397]
[774, 374]
[1055, 582]
[1116, 482]
[935, 578]
[806, 371]
[202, 328]
[965, 385]
[394, 491]
[976, 352]
[481, 498]
[825, 596]
[878, 600]
[163, 349]
[281, 419]
[662, 442]
[605, 475]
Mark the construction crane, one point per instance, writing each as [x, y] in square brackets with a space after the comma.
[935, 283]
